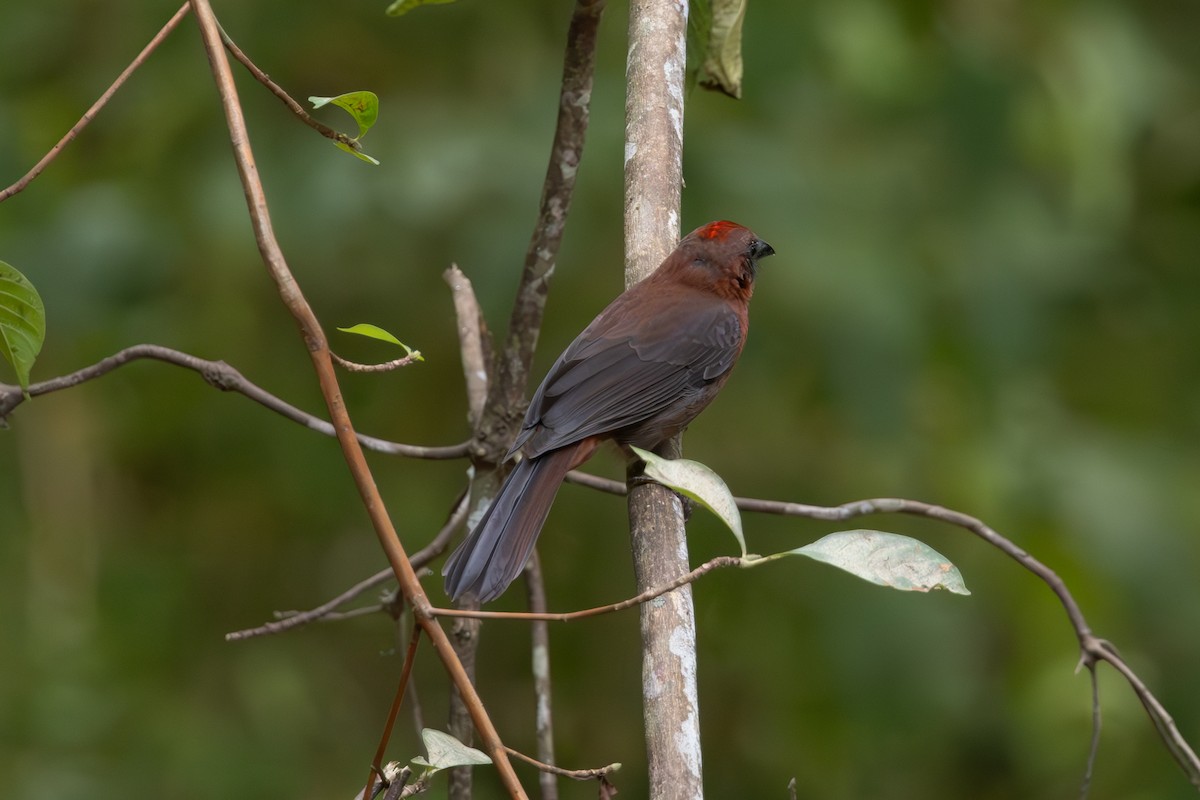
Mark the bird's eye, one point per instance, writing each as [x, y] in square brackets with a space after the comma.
[699, 262]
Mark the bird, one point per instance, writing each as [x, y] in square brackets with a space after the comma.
[638, 374]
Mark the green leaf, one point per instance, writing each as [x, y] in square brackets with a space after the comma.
[357, 153]
[722, 68]
[888, 559]
[22, 322]
[445, 751]
[373, 332]
[363, 106]
[401, 7]
[698, 482]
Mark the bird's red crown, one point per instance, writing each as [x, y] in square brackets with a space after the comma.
[718, 230]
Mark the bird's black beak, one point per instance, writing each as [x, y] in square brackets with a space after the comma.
[760, 249]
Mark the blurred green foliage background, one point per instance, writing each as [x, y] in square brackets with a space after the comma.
[987, 216]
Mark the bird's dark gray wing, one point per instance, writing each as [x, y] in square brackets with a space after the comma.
[627, 368]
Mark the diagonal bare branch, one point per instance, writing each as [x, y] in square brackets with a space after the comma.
[101, 101]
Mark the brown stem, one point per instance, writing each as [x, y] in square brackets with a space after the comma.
[410, 656]
[88, 115]
[318, 349]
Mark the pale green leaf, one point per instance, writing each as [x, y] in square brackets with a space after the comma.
[693, 479]
[357, 153]
[22, 322]
[887, 559]
[444, 751]
[363, 106]
[376, 332]
[399, 7]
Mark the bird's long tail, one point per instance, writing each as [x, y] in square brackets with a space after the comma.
[496, 551]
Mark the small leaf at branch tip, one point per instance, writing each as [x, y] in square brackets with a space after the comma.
[364, 107]
[886, 559]
[695, 480]
[376, 332]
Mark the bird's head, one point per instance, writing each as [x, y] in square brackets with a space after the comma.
[721, 256]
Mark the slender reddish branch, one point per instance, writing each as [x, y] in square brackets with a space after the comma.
[88, 115]
[318, 349]
[410, 656]
[568, 616]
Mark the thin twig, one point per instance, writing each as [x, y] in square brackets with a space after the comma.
[88, 115]
[318, 350]
[226, 378]
[279, 92]
[607, 485]
[574, 774]
[1094, 744]
[1092, 648]
[387, 366]
[410, 657]
[326, 611]
[569, 616]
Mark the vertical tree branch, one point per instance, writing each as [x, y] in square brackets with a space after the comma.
[653, 182]
[496, 426]
[506, 393]
[314, 339]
